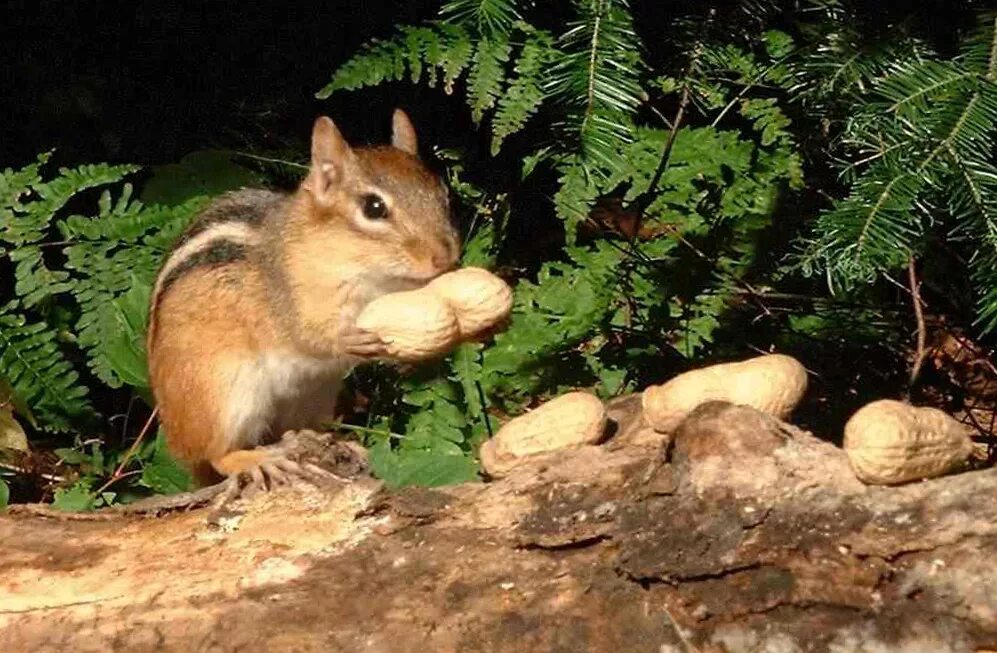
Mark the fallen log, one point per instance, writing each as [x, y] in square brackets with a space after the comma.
[740, 533]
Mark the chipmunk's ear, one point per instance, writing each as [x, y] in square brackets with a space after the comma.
[330, 155]
[403, 133]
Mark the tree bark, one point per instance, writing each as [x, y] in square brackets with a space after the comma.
[741, 534]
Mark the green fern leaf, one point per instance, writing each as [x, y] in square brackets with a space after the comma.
[484, 81]
[577, 190]
[36, 367]
[16, 184]
[437, 47]
[114, 252]
[525, 91]
[379, 61]
[34, 281]
[26, 222]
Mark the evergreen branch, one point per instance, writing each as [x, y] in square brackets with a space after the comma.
[908, 88]
[904, 179]
[592, 59]
[596, 82]
[979, 51]
[486, 17]
[880, 204]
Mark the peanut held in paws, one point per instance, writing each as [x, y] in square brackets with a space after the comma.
[773, 383]
[421, 324]
[571, 420]
[478, 298]
[889, 442]
[414, 325]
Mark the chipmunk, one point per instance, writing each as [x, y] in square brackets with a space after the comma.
[251, 328]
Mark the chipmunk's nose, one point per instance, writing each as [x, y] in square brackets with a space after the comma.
[445, 255]
[444, 258]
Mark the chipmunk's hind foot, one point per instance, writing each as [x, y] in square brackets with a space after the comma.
[300, 458]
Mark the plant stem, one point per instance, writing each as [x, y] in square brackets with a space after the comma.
[364, 429]
[922, 332]
[118, 472]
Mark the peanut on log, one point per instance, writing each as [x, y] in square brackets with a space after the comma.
[889, 442]
[478, 298]
[425, 323]
[571, 420]
[773, 383]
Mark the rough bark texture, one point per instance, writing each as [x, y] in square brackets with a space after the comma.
[744, 534]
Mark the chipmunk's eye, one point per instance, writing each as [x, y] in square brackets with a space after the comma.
[374, 207]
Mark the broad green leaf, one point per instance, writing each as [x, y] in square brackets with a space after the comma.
[12, 436]
[9, 396]
[124, 348]
[76, 498]
[429, 469]
[71, 456]
[162, 473]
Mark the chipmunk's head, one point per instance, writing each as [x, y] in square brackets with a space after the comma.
[377, 211]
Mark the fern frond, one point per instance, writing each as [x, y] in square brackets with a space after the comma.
[484, 81]
[577, 190]
[32, 361]
[524, 93]
[123, 245]
[444, 46]
[34, 281]
[15, 184]
[26, 222]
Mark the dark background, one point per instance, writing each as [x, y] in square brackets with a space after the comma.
[149, 81]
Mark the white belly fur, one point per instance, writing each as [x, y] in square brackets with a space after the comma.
[278, 392]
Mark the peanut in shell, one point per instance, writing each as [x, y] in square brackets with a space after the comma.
[478, 298]
[415, 325]
[571, 420]
[772, 383]
[890, 442]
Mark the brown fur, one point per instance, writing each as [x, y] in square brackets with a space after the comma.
[203, 332]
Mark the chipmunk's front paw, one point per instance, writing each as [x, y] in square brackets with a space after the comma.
[364, 344]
